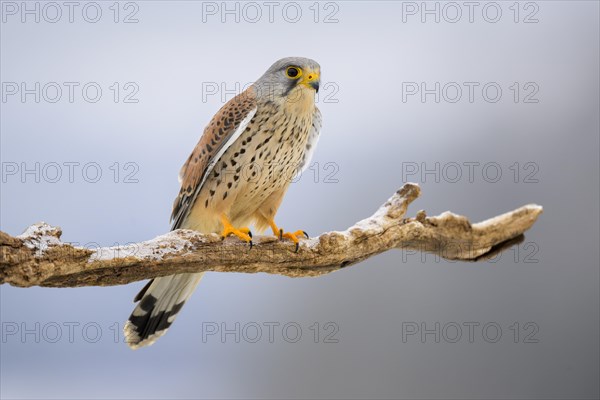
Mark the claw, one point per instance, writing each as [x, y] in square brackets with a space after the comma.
[242, 233]
[293, 236]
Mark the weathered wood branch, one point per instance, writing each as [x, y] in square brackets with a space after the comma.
[38, 257]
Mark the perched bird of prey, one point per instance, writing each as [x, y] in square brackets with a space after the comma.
[237, 175]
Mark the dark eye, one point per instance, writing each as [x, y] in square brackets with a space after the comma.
[293, 72]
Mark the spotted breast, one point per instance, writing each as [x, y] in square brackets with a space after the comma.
[248, 181]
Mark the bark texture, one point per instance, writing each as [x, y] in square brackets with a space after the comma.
[38, 257]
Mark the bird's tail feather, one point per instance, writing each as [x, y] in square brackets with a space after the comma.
[159, 302]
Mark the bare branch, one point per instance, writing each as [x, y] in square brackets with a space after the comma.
[38, 257]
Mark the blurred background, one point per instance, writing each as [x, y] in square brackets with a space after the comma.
[487, 105]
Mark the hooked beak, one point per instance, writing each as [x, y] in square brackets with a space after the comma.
[311, 80]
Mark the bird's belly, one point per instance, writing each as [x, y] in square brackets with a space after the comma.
[274, 167]
[264, 159]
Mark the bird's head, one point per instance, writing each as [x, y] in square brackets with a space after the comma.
[292, 81]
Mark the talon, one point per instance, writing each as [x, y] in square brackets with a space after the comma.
[246, 231]
[250, 246]
[242, 233]
[293, 236]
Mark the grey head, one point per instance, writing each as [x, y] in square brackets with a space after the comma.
[289, 75]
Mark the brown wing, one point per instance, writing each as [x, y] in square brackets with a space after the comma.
[219, 134]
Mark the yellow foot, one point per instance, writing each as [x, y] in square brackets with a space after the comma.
[242, 233]
[293, 236]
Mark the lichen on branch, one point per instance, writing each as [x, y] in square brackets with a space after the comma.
[39, 258]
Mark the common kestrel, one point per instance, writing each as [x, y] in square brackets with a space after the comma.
[237, 175]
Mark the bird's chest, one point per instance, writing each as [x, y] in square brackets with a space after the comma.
[264, 159]
[273, 151]
[284, 142]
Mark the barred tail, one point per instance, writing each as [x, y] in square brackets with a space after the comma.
[159, 302]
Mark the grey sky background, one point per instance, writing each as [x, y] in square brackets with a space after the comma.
[535, 142]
